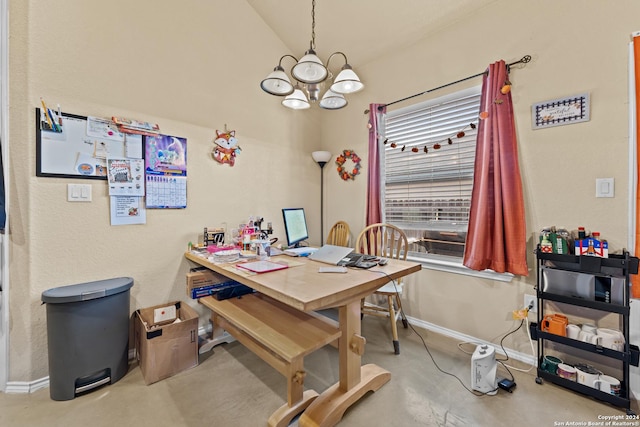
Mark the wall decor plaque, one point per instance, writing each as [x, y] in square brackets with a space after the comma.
[561, 111]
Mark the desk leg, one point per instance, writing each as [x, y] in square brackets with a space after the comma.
[282, 416]
[355, 380]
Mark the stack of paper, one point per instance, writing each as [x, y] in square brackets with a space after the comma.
[226, 256]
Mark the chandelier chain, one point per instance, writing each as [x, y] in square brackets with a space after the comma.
[313, 24]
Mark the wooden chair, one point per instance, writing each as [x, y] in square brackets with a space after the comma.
[388, 241]
[339, 234]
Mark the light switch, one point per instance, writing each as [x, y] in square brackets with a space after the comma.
[78, 192]
[605, 187]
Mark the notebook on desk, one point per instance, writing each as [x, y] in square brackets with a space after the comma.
[261, 266]
[330, 254]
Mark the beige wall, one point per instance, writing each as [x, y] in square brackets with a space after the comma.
[192, 68]
[195, 67]
[576, 48]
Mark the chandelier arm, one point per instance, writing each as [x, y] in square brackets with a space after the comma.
[284, 56]
[346, 61]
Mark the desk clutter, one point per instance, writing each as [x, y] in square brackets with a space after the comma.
[249, 240]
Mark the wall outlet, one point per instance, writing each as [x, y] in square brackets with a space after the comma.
[528, 299]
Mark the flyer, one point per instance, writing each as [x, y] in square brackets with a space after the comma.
[125, 176]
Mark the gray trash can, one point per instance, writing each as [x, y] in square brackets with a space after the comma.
[88, 335]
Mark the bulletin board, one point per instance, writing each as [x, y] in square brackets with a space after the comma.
[81, 148]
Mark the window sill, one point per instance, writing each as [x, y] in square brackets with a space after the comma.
[454, 265]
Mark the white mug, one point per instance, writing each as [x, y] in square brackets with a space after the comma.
[589, 327]
[608, 385]
[567, 372]
[589, 337]
[611, 338]
[587, 375]
[573, 331]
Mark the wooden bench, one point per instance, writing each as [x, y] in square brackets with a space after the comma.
[279, 335]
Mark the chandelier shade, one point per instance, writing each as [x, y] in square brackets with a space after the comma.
[347, 81]
[277, 83]
[310, 69]
[332, 101]
[310, 74]
[297, 100]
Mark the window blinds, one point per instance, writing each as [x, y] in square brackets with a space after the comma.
[431, 190]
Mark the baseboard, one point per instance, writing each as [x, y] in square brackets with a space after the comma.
[30, 387]
[26, 387]
[516, 355]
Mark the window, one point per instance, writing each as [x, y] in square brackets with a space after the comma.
[428, 194]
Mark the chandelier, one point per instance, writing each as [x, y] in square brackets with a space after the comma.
[310, 74]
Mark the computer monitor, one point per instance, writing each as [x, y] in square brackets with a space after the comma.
[295, 226]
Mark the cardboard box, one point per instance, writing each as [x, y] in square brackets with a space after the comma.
[200, 278]
[205, 282]
[593, 247]
[165, 348]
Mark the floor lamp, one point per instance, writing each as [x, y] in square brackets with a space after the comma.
[321, 158]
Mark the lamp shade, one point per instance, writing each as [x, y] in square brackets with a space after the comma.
[321, 156]
[297, 100]
[309, 69]
[347, 81]
[277, 83]
[333, 101]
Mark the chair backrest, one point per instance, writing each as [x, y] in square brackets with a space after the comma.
[384, 240]
[339, 234]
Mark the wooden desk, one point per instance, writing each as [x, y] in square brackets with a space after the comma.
[303, 288]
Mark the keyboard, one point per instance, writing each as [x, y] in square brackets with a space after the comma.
[354, 258]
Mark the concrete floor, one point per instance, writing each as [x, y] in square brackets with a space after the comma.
[232, 387]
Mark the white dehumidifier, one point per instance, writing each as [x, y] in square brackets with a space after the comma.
[483, 370]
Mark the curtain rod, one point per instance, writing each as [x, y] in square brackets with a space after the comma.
[525, 59]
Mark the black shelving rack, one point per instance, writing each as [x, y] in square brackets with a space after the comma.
[620, 266]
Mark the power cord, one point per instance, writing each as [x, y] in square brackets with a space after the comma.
[474, 392]
[528, 330]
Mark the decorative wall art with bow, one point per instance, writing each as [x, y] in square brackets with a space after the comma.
[226, 147]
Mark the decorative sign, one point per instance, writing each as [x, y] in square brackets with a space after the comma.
[562, 111]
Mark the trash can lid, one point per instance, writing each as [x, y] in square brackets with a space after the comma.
[87, 291]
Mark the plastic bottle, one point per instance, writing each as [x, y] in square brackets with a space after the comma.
[563, 239]
[545, 245]
[581, 233]
[545, 232]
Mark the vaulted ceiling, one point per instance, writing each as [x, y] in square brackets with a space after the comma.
[362, 29]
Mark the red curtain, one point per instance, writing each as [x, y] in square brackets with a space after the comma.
[635, 279]
[374, 203]
[496, 237]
